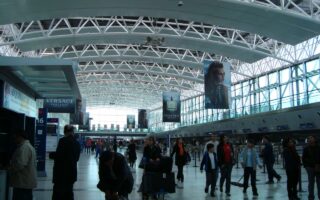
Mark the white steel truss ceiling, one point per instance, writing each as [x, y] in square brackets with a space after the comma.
[145, 48]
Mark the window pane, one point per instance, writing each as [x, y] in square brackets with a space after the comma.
[284, 75]
[273, 78]
[312, 65]
[263, 81]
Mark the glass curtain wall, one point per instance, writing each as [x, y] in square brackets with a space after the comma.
[288, 87]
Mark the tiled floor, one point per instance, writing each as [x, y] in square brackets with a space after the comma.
[85, 188]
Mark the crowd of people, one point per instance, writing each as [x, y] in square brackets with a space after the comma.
[99, 145]
[116, 180]
[219, 157]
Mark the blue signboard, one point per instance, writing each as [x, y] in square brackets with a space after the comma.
[60, 105]
[40, 144]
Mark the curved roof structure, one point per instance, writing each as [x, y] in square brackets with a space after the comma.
[130, 52]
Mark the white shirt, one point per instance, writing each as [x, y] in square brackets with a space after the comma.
[213, 164]
[215, 143]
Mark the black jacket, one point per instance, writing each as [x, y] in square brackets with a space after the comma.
[291, 161]
[151, 152]
[119, 179]
[267, 154]
[206, 162]
[310, 156]
[179, 159]
[65, 160]
[220, 154]
[132, 152]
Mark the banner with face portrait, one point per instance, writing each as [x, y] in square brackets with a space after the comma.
[217, 84]
[78, 116]
[142, 118]
[171, 106]
[131, 121]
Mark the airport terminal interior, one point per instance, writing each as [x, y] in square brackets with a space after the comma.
[148, 73]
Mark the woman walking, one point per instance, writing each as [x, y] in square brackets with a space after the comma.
[180, 159]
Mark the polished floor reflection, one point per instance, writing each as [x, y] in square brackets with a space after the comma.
[85, 188]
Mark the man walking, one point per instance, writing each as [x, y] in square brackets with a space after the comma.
[269, 160]
[225, 162]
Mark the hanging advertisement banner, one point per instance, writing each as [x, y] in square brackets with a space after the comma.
[78, 116]
[142, 118]
[60, 105]
[40, 144]
[131, 121]
[217, 84]
[171, 106]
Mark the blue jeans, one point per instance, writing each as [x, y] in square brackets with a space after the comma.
[98, 152]
[22, 194]
[312, 177]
